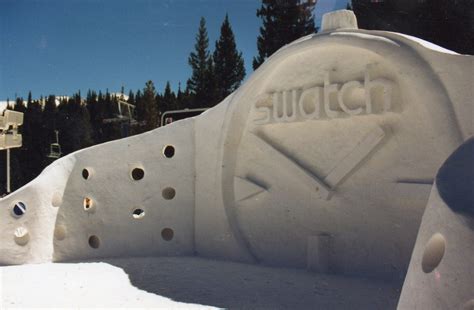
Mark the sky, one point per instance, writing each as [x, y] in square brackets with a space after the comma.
[62, 46]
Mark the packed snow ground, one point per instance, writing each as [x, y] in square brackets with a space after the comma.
[177, 282]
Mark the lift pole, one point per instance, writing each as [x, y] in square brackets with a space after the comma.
[8, 171]
[9, 136]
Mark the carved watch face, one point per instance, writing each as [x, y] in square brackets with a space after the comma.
[333, 138]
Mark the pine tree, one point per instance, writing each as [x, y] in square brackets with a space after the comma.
[210, 83]
[149, 106]
[201, 84]
[183, 98]
[122, 92]
[96, 109]
[31, 153]
[111, 110]
[74, 125]
[159, 103]
[86, 131]
[432, 20]
[140, 109]
[131, 97]
[187, 99]
[168, 99]
[19, 105]
[283, 22]
[30, 101]
[229, 63]
[179, 98]
[50, 112]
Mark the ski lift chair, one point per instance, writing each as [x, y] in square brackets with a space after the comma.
[55, 148]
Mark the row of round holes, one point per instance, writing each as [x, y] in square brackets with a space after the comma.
[22, 236]
[168, 193]
[137, 173]
[167, 234]
[19, 209]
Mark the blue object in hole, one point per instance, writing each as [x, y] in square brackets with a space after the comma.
[19, 209]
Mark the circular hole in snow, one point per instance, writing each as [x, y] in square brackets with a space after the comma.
[138, 213]
[88, 204]
[21, 236]
[434, 252]
[19, 209]
[168, 193]
[60, 232]
[167, 234]
[85, 173]
[168, 151]
[94, 242]
[57, 199]
[138, 174]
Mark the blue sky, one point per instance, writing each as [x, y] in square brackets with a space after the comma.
[61, 46]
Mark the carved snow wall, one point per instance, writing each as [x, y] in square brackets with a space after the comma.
[324, 159]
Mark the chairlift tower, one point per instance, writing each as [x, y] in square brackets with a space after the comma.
[9, 136]
[125, 116]
[126, 112]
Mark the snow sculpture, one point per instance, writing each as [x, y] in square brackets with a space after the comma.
[440, 275]
[324, 159]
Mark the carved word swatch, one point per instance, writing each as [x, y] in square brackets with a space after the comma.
[327, 101]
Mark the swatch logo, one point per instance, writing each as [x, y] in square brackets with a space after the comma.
[327, 101]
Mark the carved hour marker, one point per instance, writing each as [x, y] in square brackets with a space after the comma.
[245, 189]
[359, 153]
[282, 160]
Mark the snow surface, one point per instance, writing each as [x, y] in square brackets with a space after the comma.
[184, 282]
[365, 36]
[428, 45]
[81, 285]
